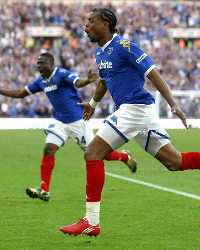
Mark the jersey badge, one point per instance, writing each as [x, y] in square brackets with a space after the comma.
[110, 51]
[126, 44]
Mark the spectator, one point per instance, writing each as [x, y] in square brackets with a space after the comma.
[141, 22]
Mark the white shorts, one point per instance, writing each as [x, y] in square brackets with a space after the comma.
[135, 121]
[80, 131]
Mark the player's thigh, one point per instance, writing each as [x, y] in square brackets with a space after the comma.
[56, 134]
[123, 125]
[152, 140]
[130, 120]
[126, 123]
[111, 135]
[82, 133]
[157, 143]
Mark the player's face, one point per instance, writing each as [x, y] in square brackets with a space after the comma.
[44, 66]
[95, 27]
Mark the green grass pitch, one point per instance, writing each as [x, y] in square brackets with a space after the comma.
[132, 216]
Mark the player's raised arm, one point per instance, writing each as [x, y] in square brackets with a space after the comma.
[18, 93]
[92, 77]
[91, 105]
[160, 84]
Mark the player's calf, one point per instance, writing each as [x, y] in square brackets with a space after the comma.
[169, 157]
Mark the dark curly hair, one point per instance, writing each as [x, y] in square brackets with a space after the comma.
[109, 16]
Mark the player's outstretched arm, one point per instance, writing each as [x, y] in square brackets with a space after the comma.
[92, 77]
[18, 93]
[160, 84]
[90, 106]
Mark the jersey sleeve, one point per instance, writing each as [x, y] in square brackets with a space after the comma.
[137, 57]
[70, 76]
[33, 87]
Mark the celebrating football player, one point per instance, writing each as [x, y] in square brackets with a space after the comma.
[123, 67]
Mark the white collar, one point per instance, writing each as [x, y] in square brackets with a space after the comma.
[52, 74]
[106, 44]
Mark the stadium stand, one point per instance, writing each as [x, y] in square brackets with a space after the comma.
[168, 31]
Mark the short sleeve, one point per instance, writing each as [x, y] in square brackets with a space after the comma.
[34, 87]
[137, 57]
[69, 76]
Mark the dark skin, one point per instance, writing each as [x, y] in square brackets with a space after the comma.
[45, 66]
[98, 31]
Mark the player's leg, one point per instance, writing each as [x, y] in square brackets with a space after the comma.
[95, 176]
[46, 170]
[103, 143]
[47, 164]
[54, 140]
[157, 143]
[124, 156]
[178, 161]
[116, 155]
[83, 134]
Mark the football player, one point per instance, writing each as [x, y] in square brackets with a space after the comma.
[123, 66]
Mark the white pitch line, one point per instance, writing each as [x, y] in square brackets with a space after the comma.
[147, 184]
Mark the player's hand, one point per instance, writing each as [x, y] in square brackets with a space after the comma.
[178, 112]
[88, 110]
[92, 77]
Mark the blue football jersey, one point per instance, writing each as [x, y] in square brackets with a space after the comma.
[123, 66]
[62, 94]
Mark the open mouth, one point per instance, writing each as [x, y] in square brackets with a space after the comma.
[42, 72]
[87, 32]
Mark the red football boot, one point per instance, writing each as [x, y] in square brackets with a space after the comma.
[81, 227]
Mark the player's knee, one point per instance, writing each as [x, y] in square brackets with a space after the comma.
[50, 149]
[92, 155]
[88, 155]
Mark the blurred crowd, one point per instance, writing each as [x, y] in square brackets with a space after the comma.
[146, 24]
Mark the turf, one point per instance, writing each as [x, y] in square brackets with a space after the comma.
[133, 216]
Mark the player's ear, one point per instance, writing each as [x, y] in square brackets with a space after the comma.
[106, 25]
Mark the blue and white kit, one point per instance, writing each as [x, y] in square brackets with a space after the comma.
[62, 94]
[123, 67]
